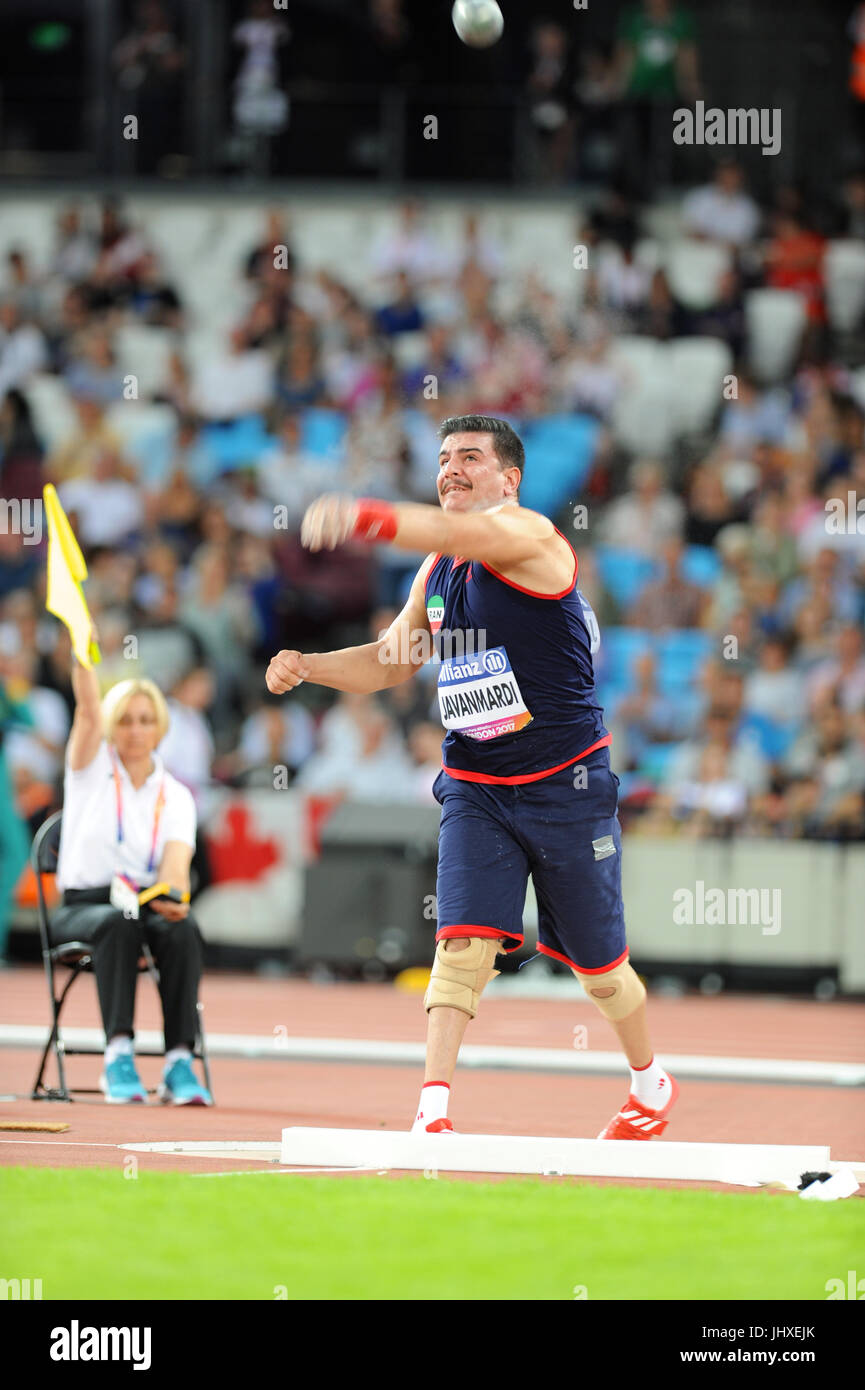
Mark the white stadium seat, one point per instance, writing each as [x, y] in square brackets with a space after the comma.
[694, 270]
[53, 412]
[857, 386]
[698, 367]
[637, 357]
[145, 352]
[644, 418]
[844, 267]
[775, 321]
[136, 422]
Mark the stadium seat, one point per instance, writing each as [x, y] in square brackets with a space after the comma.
[619, 648]
[662, 219]
[238, 444]
[76, 956]
[648, 253]
[644, 419]
[694, 270]
[656, 760]
[857, 386]
[775, 321]
[28, 225]
[774, 738]
[680, 655]
[322, 433]
[142, 426]
[624, 573]
[844, 268]
[53, 412]
[701, 565]
[638, 358]
[698, 366]
[182, 236]
[559, 451]
[145, 353]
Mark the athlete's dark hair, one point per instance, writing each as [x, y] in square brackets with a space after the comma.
[507, 444]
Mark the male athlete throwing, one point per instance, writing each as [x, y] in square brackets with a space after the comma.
[525, 786]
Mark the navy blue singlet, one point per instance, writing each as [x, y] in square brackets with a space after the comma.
[517, 685]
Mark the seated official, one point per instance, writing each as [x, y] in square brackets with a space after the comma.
[128, 825]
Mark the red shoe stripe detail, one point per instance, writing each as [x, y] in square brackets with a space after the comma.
[637, 1121]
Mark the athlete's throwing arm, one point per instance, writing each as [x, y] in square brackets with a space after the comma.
[526, 785]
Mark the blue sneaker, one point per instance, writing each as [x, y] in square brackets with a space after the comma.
[121, 1083]
[179, 1086]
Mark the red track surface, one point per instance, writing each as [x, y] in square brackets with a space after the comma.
[256, 1099]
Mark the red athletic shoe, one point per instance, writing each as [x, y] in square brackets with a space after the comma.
[434, 1127]
[637, 1121]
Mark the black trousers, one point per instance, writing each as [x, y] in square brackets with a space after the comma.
[177, 950]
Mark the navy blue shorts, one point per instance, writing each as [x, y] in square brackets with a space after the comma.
[566, 835]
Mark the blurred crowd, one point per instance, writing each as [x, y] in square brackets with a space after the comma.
[197, 576]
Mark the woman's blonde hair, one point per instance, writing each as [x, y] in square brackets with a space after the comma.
[116, 700]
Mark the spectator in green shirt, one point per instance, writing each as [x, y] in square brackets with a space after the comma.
[656, 64]
[657, 55]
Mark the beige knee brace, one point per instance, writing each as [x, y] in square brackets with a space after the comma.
[628, 990]
[458, 978]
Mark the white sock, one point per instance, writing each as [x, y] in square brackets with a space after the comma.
[117, 1047]
[651, 1085]
[175, 1055]
[433, 1104]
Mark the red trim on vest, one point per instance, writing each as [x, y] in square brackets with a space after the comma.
[533, 593]
[597, 970]
[462, 775]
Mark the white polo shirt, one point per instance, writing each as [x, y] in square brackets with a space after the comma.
[90, 852]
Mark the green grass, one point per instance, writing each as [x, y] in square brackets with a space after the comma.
[93, 1234]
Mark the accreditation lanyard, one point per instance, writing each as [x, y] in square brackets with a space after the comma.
[157, 813]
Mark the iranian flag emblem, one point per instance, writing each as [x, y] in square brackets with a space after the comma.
[435, 611]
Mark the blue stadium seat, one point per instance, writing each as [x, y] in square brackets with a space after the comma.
[656, 760]
[624, 573]
[701, 565]
[322, 433]
[559, 452]
[238, 444]
[619, 647]
[681, 653]
[774, 739]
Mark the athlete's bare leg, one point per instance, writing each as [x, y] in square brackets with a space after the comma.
[633, 1034]
[445, 1029]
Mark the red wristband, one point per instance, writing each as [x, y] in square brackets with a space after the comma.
[376, 521]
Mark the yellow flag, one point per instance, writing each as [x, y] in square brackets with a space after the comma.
[66, 573]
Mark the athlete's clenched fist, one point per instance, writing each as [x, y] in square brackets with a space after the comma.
[286, 670]
[328, 522]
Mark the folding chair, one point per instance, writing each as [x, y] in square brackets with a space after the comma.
[77, 956]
